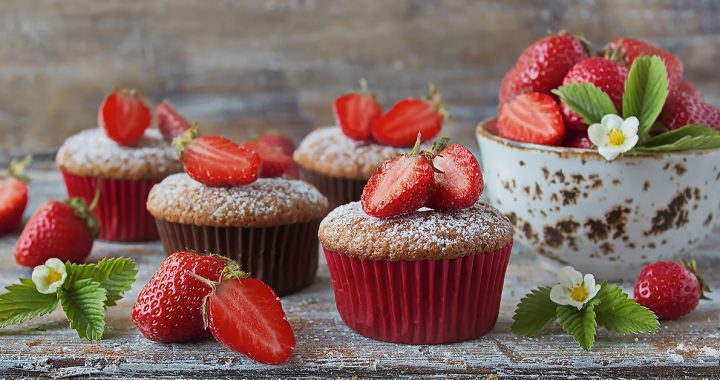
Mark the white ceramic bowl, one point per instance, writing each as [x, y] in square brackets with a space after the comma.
[606, 218]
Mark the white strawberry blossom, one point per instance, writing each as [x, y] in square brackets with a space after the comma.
[574, 289]
[50, 276]
[614, 135]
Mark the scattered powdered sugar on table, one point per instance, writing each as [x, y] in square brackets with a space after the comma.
[92, 153]
[425, 234]
[327, 150]
[268, 201]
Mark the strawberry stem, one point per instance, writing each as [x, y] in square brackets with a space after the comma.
[363, 85]
[96, 198]
[17, 169]
[691, 265]
[82, 211]
[180, 142]
[416, 149]
[436, 99]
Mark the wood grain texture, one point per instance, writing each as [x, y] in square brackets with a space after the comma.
[326, 348]
[244, 66]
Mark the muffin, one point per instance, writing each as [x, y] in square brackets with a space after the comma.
[125, 173]
[269, 226]
[338, 165]
[428, 277]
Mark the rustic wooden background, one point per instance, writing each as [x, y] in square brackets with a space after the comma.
[248, 65]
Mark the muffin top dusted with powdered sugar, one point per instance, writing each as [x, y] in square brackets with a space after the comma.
[92, 153]
[328, 151]
[424, 235]
[266, 202]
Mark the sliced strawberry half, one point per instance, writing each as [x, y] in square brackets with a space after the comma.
[533, 118]
[278, 140]
[124, 116]
[13, 194]
[170, 123]
[215, 160]
[355, 113]
[400, 125]
[399, 186]
[458, 180]
[274, 161]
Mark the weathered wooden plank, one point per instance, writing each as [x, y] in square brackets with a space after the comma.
[327, 348]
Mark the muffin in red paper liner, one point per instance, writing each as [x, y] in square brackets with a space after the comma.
[269, 226]
[125, 173]
[338, 165]
[429, 277]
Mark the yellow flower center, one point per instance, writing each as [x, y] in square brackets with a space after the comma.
[54, 276]
[616, 137]
[579, 293]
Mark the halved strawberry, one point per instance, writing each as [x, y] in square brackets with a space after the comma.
[532, 117]
[399, 186]
[355, 112]
[13, 195]
[170, 123]
[274, 162]
[124, 116]
[458, 180]
[401, 124]
[281, 141]
[216, 161]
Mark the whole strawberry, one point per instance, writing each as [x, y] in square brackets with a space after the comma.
[61, 230]
[631, 48]
[543, 65]
[13, 195]
[682, 108]
[287, 145]
[605, 74]
[274, 162]
[670, 289]
[169, 307]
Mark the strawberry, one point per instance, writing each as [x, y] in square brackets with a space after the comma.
[278, 140]
[576, 139]
[532, 117]
[169, 307]
[356, 112]
[670, 289]
[274, 162]
[682, 108]
[215, 160]
[124, 116]
[170, 123]
[400, 125]
[543, 65]
[62, 230]
[604, 74]
[687, 87]
[631, 48]
[399, 186]
[245, 315]
[13, 195]
[458, 180]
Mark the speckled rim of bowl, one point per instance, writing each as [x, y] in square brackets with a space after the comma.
[567, 152]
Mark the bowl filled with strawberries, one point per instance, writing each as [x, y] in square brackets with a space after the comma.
[603, 162]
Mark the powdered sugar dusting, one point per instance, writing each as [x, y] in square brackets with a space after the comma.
[92, 153]
[424, 235]
[327, 150]
[268, 201]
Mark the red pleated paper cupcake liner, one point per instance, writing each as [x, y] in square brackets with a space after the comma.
[420, 302]
[339, 191]
[121, 211]
[285, 257]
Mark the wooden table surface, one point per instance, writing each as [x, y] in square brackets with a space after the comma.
[46, 347]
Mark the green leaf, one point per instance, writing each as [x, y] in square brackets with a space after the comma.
[580, 324]
[23, 302]
[616, 312]
[692, 136]
[76, 272]
[84, 305]
[533, 313]
[587, 100]
[645, 92]
[119, 275]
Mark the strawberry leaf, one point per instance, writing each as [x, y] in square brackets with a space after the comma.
[616, 312]
[692, 136]
[84, 304]
[587, 100]
[580, 324]
[533, 313]
[118, 277]
[76, 272]
[23, 302]
[645, 92]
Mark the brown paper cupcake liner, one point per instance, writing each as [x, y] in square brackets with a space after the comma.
[285, 257]
[338, 191]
